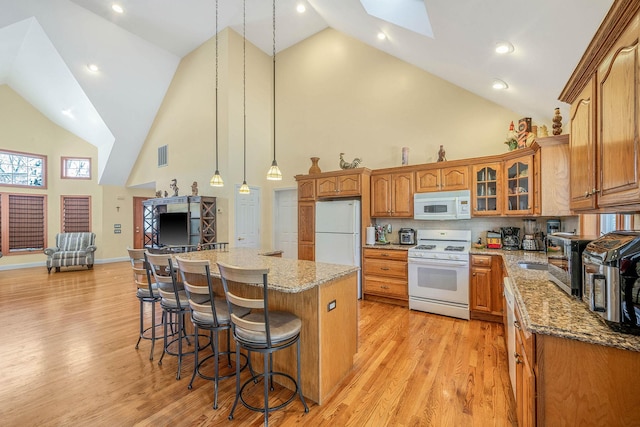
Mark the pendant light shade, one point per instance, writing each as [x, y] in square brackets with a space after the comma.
[244, 188]
[274, 173]
[216, 179]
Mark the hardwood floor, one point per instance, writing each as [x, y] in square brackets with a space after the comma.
[67, 358]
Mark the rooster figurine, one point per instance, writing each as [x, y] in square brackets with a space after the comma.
[352, 165]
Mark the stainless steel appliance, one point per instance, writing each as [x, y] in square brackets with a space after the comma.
[442, 205]
[530, 229]
[611, 279]
[553, 226]
[439, 272]
[407, 236]
[338, 233]
[510, 238]
[564, 261]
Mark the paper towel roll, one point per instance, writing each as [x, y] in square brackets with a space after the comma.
[371, 235]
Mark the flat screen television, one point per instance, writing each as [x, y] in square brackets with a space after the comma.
[172, 228]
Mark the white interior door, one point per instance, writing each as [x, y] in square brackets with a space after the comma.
[247, 218]
[285, 222]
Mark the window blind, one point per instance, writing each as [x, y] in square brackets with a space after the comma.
[76, 214]
[26, 222]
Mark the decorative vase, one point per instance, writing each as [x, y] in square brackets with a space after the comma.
[557, 122]
[314, 169]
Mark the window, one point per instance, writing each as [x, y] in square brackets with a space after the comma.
[23, 223]
[76, 213]
[22, 169]
[76, 167]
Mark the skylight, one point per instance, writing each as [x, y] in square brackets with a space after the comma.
[409, 14]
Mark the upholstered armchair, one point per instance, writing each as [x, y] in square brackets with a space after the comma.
[71, 249]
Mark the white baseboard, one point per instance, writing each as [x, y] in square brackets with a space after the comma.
[44, 263]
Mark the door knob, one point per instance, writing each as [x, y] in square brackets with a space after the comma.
[240, 238]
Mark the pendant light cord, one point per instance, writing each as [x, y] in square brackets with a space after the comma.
[216, 85]
[244, 82]
[274, 80]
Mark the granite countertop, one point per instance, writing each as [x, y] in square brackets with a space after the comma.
[285, 275]
[548, 310]
[390, 246]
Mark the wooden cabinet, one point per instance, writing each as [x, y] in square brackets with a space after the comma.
[604, 93]
[392, 195]
[306, 230]
[307, 189]
[385, 275]
[552, 164]
[618, 116]
[339, 186]
[442, 179]
[201, 226]
[487, 198]
[518, 178]
[525, 376]
[485, 288]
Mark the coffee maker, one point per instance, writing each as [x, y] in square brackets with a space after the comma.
[510, 238]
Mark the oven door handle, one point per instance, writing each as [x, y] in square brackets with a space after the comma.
[437, 263]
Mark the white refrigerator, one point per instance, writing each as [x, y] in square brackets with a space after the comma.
[338, 234]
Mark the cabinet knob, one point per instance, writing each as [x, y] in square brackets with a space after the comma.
[384, 287]
[517, 357]
[517, 324]
[473, 274]
[586, 194]
[385, 254]
[384, 268]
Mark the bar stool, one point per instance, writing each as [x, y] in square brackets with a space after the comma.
[147, 292]
[210, 313]
[262, 331]
[174, 304]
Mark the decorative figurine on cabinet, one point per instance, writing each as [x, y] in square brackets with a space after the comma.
[557, 122]
[174, 187]
[543, 132]
[159, 193]
[346, 165]
[194, 188]
[442, 155]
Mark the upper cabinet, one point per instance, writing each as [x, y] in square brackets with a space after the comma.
[340, 186]
[392, 195]
[519, 183]
[487, 198]
[306, 189]
[442, 179]
[605, 106]
[550, 164]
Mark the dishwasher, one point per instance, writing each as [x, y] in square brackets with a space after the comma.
[511, 331]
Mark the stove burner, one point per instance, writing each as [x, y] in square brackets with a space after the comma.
[454, 248]
[425, 247]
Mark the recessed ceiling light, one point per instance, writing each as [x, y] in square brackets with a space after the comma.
[381, 35]
[504, 47]
[117, 8]
[499, 84]
[93, 68]
[301, 8]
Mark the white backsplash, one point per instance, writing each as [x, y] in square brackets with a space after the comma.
[478, 226]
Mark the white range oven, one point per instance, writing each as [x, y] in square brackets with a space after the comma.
[439, 272]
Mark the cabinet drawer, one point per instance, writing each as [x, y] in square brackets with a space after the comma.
[386, 287]
[385, 268]
[385, 254]
[481, 260]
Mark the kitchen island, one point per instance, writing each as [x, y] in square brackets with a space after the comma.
[324, 296]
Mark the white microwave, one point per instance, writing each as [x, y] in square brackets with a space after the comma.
[442, 205]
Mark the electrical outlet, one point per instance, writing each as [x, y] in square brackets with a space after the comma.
[331, 305]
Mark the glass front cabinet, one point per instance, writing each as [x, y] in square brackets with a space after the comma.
[519, 183]
[487, 189]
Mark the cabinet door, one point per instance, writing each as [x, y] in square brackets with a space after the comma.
[454, 178]
[381, 195]
[525, 387]
[618, 117]
[307, 189]
[402, 195]
[582, 149]
[428, 180]
[519, 191]
[306, 230]
[349, 185]
[327, 186]
[480, 289]
[486, 191]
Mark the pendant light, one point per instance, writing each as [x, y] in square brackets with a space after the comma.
[216, 179]
[274, 173]
[244, 188]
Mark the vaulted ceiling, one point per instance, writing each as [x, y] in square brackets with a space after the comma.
[45, 46]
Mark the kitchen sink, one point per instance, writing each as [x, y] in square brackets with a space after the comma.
[532, 265]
